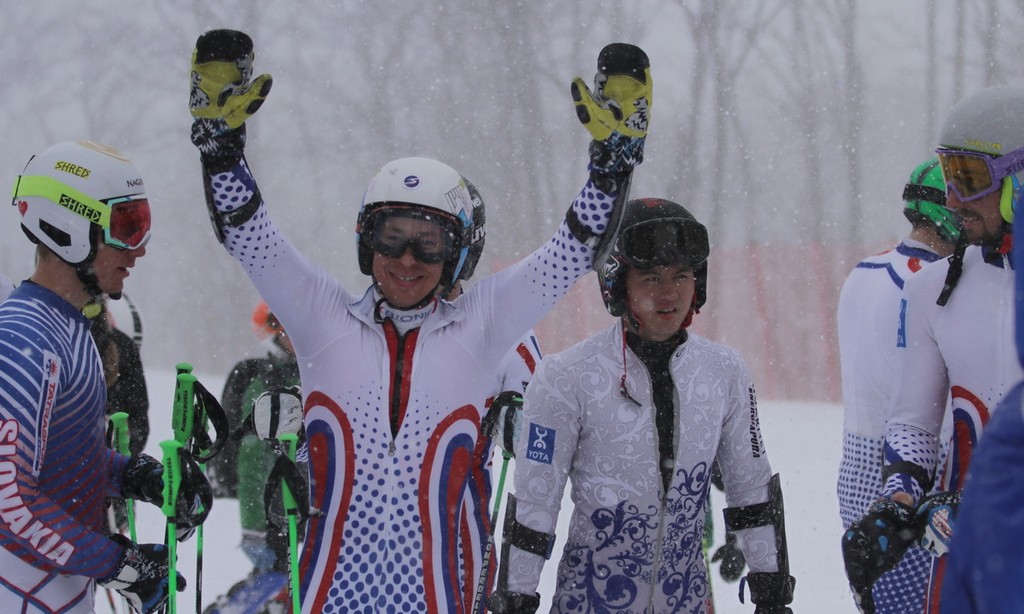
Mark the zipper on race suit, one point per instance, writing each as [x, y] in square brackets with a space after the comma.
[662, 495]
[400, 354]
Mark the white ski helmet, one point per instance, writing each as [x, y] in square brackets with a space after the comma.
[428, 189]
[990, 121]
[63, 197]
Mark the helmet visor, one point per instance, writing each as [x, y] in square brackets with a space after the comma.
[665, 241]
[431, 237]
[130, 223]
[973, 175]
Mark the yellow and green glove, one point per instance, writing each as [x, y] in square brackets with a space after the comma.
[617, 111]
[223, 93]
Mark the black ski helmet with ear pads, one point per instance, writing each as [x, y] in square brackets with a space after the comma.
[654, 231]
[424, 185]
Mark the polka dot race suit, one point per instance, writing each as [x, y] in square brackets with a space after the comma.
[963, 352]
[868, 321]
[390, 537]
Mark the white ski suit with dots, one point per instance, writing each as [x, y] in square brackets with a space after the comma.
[391, 537]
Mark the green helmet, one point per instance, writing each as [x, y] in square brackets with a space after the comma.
[924, 201]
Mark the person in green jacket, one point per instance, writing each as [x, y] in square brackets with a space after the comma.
[243, 467]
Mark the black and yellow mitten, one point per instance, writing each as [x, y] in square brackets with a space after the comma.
[223, 93]
[617, 111]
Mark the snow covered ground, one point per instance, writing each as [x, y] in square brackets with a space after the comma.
[803, 441]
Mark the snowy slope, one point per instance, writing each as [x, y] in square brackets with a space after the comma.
[803, 441]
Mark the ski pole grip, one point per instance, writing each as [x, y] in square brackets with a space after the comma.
[183, 419]
[120, 422]
[172, 475]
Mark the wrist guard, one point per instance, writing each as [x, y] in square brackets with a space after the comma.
[505, 602]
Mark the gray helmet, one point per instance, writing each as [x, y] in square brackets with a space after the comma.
[990, 121]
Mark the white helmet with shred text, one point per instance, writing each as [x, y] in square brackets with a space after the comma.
[77, 193]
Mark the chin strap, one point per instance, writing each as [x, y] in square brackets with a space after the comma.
[956, 268]
[87, 275]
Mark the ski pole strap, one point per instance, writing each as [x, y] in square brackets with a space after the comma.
[285, 472]
[194, 405]
[204, 449]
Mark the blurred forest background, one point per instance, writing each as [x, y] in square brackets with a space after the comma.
[787, 126]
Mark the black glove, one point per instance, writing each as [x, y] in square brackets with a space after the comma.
[142, 479]
[505, 602]
[731, 557]
[277, 412]
[503, 422]
[771, 593]
[875, 544]
[141, 575]
[223, 94]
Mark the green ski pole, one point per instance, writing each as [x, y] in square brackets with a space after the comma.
[121, 443]
[485, 565]
[291, 441]
[198, 420]
[182, 423]
[172, 481]
[183, 418]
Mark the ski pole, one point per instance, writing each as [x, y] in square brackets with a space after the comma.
[193, 404]
[182, 424]
[291, 440]
[183, 418]
[119, 421]
[172, 482]
[485, 567]
[198, 418]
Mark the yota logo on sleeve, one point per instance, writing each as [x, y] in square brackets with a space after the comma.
[541, 444]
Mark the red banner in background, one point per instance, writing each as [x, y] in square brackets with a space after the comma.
[775, 304]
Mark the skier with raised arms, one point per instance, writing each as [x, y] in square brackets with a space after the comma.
[395, 380]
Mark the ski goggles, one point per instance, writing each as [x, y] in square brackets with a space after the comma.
[130, 222]
[431, 238]
[973, 175]
[125, 220]
[665, 241]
